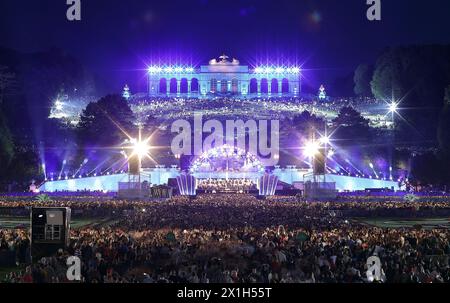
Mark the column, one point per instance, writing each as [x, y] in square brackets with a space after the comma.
[202, 86]
[269, 87]
[229, 86]
[152, 86]
[178, 86]
[149, 86]
[259, 86]
[280, 87]
[189, 86]
[168, 86]
[158, 82]
[294, 85]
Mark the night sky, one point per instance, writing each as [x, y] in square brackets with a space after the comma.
[116, 38]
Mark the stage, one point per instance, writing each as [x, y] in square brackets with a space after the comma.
[160, 175]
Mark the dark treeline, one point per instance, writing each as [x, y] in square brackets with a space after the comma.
[418, 78]
[29, 84]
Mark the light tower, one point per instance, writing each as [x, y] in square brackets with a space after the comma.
[317, 151]
[139, 149]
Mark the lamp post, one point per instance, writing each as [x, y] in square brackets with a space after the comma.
[393, 108]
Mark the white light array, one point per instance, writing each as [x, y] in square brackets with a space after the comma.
[170, 69]
[276, 70]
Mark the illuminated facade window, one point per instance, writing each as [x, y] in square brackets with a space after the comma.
[234, 86]
[213, 85]
[224, 85]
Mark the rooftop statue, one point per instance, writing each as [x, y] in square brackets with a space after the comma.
[223, 61]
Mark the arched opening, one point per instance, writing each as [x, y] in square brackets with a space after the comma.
[184, 86]
[213, 85]
[163, 86]
[264, 86]
[194, 85]
[224, 86]
[173, 86]
[253, 89]
[274, 86]
[234, 86]
[285, 86]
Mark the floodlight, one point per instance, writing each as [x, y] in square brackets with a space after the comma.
[58, 105]
[259, 70]
[393, 107]
[311, 149]
[325, 140]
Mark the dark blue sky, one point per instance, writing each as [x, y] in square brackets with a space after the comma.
[116, 38]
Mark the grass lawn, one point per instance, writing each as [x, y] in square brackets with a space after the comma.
[5, 271]
[427, 223]
[11, 223]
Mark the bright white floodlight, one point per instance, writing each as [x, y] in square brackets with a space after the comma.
[140, 148]
[393, 107]
[311, 149]
[325, 140]
[58, 105]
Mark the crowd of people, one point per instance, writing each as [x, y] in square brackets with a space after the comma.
[237, 238]
[170, 107]
[224, 185]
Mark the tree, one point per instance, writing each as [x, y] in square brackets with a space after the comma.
[8, 82]
[6, 143]
[305, 122]
[416, 75]
[444, 125]
[23, 167]
[362, 78]
[105, 122]
[426, 169]
[351, 127]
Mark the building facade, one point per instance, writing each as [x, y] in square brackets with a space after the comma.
[223, 77]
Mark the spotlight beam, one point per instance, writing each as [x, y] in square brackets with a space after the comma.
[81, 166]
[62, 168]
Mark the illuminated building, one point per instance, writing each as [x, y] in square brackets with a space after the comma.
[224, 77]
